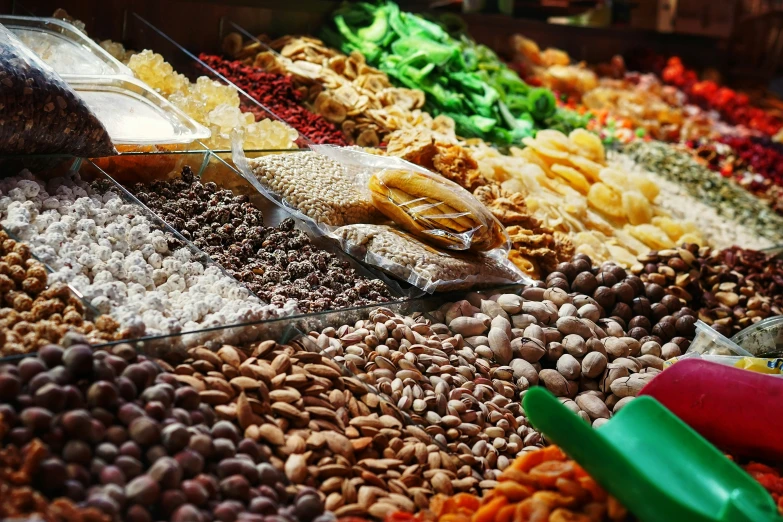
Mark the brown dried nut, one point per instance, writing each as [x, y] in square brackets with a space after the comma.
[522, 368]
[651, 361]
[593, 364]
[620, 404]
[569, 367]
[500, 345]
[543, 313]
[630, 386]
[531, 350]
[554, 382]
[670, 350]
[616, 347]
[593, 406]
[468, 326]
[612, 373]
[572, 325]
[510, 303]
[632, 365]
[554, 351]
[575, 345]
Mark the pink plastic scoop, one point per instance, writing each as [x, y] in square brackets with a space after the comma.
[737, 410]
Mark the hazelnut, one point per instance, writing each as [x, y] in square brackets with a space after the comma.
[623, 292]
[585, 283]
[641, 306]
[605, 297]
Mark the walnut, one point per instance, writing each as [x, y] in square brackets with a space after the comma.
[17, 273]
[23, 250]
[106, 323]
[6, 284]
[37, 271]
[32, 285]
[12, 258]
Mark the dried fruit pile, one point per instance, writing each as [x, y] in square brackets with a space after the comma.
[277, 93]
[732, 105]
[344, 89]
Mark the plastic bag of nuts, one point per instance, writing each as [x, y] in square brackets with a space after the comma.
[40, 113]
[423, 266]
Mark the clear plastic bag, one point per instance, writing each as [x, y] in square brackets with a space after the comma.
[709, 342]
[327, 187]
[40, 113]
[763, 339]
[433, 270]
[429, 206]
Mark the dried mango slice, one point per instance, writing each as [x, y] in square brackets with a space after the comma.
[589, 143]
[691, 238]
[545, 150]
[617, 179]
[622, 255]
[555, 139]
[573, 177]
[672, 228]
[651, 236]
[602, 198]
[589, 168]
[636, 207]
[644, 185]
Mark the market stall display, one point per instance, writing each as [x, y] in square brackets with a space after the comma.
[344, 89]
[462, 80]
[188, 339]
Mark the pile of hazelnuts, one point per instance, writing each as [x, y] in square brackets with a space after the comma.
[644, 310]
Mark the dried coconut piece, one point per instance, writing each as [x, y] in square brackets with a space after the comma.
[317, 186]
[40, 113]
[423, 266]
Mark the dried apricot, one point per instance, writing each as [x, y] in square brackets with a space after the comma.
[506, 513]
[512, 491]
[547, 473]
[489, 511]
[563, 515]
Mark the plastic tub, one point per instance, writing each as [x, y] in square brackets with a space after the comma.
[134, 114]
[709, 342]
[763, 339]
[63, 47]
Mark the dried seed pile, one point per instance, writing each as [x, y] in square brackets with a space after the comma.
[34, 314]
[729, 199]
[316, 186]
[277, 264]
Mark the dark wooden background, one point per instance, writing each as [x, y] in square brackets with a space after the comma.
[199, 24]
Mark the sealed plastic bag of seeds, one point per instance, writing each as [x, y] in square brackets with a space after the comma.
[39, 112]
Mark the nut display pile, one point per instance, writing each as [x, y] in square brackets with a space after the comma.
[542, 485]
[130, 441]
[729, 289]
[121, 261]
[34, 314]
[277, 264]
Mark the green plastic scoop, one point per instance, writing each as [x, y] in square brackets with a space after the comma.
[653, 463]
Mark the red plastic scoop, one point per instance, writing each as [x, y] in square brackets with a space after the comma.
[737, 410]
